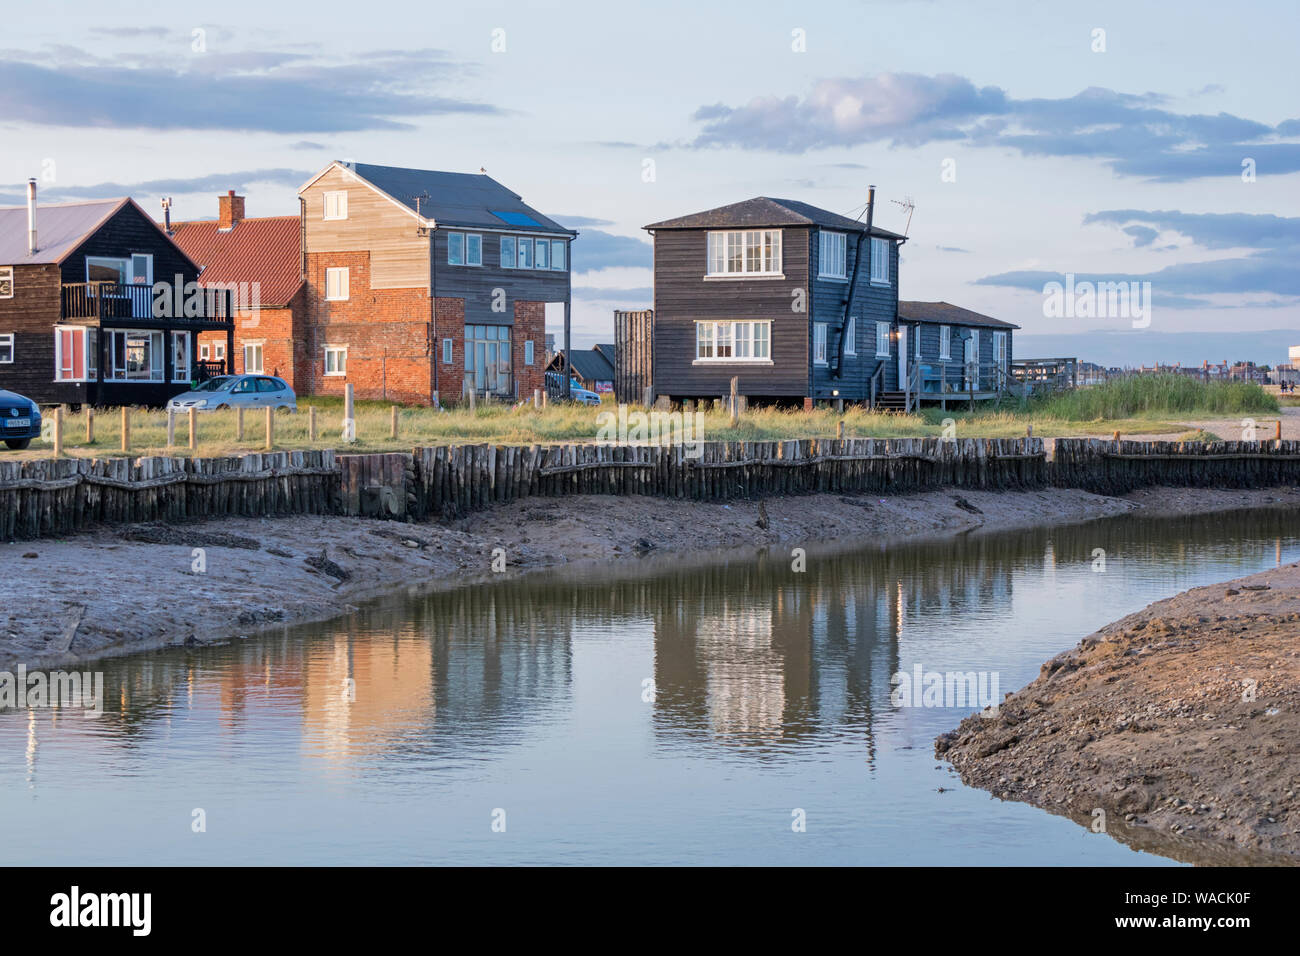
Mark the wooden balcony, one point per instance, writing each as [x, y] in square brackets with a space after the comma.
[119, 303]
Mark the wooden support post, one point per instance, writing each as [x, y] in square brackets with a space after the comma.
[194, 429]
[270, 427]
[1115, 437]
[58, 431]
[545, 397]
[171, 428]
[349, 409]
[239, 423]
[311, 422]
[392, 431]
[1278, 431]
[126, 428]
[735, 400]
[537, 398]
[90, 425]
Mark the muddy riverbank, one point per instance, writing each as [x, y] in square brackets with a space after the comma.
[122, 590]
[1175, 729]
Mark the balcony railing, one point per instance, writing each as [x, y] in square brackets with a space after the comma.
[120, 300]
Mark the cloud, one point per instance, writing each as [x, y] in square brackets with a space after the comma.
[1134, 133]
[307, 144]
[635, 295]
[213, 183]
[1142, 235]
[250, 91]
[576, 222]
[951, 249]
[596, 249]
[1233, 230]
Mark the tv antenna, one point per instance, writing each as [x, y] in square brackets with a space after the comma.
[906, 203]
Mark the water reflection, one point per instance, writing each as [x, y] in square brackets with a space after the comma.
[750, 662]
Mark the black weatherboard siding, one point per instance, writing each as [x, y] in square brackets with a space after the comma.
[129, 232]
[477, 284]
[872, 303]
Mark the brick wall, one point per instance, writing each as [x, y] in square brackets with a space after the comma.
[30, 316]
[283, 346]
[449, 323]
[530, 325]
[386, 333]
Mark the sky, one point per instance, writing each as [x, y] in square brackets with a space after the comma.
[1015, 143]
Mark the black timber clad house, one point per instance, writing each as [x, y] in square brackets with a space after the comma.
[94, 305]
[797, 302]
[956, 350]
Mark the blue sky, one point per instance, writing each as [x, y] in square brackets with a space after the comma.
[1122, 164]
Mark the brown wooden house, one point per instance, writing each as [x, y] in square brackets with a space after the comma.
[98, 305]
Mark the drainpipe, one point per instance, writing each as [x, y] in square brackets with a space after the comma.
[853, 282]
[31, 217]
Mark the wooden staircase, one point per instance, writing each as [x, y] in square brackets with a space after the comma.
[892, 402]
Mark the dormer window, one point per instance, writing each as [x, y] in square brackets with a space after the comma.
[743, 254]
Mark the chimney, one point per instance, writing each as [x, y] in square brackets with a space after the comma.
[230, 209]
[167, 215]
[31, 217]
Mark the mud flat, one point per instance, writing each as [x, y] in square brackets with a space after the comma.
[122, 590]
[1180, 723]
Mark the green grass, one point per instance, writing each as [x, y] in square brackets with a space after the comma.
[1141, 396]
[1199, 434]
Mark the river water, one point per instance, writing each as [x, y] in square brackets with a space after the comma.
[729, 711]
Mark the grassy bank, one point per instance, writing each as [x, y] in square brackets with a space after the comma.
[1150, 404]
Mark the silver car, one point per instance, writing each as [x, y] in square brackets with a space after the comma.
[237, 391]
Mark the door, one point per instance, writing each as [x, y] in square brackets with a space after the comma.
[1000, 359]
[971, 360]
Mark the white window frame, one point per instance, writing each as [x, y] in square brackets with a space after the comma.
[538, 247]
[338, 199]
[473, 249]
[522, 243]
[851, 336]
[508, 262]
[528, 351]
[724, 244]
[204, 352]
[111, 371]
[7, 343]
[453, 238]
[833, 255]
[819, 343]
[882, 340]
[87, 349]
[945, 342]
[340, 353]
[558, 255]
[258, 349]
[880, 251]
[340, 279]
[180, 374]
[448, 351]
[219, 351]
[750, 336]
[6, 282]
[1000, 349]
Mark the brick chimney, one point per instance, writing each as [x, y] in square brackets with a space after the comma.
[230, 209]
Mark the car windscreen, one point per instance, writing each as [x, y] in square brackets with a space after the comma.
[219, 384]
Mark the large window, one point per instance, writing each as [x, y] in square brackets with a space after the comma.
[882, 340]
[487, 357]
[336, 360]
[945, 341]
[522, 252]
[76, 351]
[880, 261]
[336, 284]
[129, 356]
[751, 253]
[819, 343]
[557, 255]
[336, 205]
[733, 341]
[464, 249]
[252, 357]
[832, 263]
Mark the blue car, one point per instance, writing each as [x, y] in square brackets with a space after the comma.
[20, 420]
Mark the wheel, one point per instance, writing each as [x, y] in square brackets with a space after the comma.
[222, 408]
[285, 409]
[18, 444]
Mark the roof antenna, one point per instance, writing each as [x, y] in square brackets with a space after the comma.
[483, 169]
[907, 203]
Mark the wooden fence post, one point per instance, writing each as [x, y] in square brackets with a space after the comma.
[58, 431]
[537, 398]
[392, 431]
[349, 408]
[311, 422]
[126, 428]
[467, 386]
[735, 400]
[270, 427]
[1278, 433]
[1116, 435]
[171, 428]
[194, 429]
[839, 429]
[90, 425]
[239, 423]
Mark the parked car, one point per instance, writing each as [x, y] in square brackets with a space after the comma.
[237, 391]
[20, 420]
[584, 396]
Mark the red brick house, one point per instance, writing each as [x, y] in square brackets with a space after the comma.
[260, 262]
[422, 285]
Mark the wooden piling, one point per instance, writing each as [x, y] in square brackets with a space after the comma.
[349, 422]
[239, 423]
[58, 431]
[194, 429]
[392, 430]
[311, 422]
[126, 429]
[90, 425]
[270, 427]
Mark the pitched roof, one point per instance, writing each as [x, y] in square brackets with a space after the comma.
[456, 199]
[590, 365]
[945, 313]
[266, 251]
[766, 211]
[60, 228]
